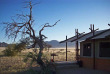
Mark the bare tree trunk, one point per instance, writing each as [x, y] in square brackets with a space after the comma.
[26, 28]
[39, 59]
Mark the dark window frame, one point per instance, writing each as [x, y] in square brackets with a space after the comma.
[104, 46]
[87, 49]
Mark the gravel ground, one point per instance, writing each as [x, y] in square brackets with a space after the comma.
[80, 71]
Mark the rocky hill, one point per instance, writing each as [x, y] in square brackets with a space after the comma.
[3, 44]
[56, 44]
[53, 43]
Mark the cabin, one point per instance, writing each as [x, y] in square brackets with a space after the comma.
[94, 48]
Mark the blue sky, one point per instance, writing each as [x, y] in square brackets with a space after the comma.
[73, 14]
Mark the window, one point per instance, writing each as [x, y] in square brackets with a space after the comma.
[104, 49]
[87, 49]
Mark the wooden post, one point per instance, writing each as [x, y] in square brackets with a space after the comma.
[77, 50]
[66, 48]
[93, 49]
[93, 31]
[53, 55]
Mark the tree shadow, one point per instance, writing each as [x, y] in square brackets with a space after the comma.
[33, 70]
[2, 55]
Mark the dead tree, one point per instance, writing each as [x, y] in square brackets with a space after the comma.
[25, 28]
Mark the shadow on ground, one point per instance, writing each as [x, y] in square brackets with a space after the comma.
[68, 71]
[80, 71]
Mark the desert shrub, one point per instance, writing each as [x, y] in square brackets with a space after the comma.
[9, 51]
[19, 47]
[14, 49]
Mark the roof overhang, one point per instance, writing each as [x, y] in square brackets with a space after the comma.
[89, 36]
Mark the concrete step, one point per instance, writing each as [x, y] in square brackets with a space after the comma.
[66, 64]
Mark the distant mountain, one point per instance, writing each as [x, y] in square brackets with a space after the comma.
[3, 44]
[56, 44]
[53, 43]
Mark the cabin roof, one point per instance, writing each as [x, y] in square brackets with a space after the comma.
[71, 38]
[89, 36]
